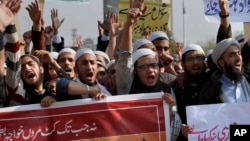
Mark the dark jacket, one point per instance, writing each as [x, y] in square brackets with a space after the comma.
[210, 92]
[187, 96]
[102, 45]
[221, 35]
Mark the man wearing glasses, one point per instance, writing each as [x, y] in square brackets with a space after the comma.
[193, 63]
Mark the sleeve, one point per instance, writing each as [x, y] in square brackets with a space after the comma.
[62, 91]
[38, 40]
[2, 41]
[124, 72]
[221, 35]
[14, 87]
[102, 45]
[58, 45]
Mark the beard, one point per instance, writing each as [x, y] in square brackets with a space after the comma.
[38, 82]
[197, 76]
[233, 75]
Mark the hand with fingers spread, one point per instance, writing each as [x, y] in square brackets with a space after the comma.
[35, 14]
[48, 34]
[105, 25]
[8, 10]
[115, 25]
[56, 23]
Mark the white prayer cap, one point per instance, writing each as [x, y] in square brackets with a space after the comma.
[103, 54]
[82, 51]
[141, 52]
[138, 43]
[222, 46]
[240, 38]
[209, 52]
[54, 55]
[158, 34]
[68, 50]
[110, 64]
[5, 66]
[99, 63]
[192, 47]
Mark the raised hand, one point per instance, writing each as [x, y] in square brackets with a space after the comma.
[8, 10]
[78, 43]
[105, 25]
[48, 34]
[56, 23]
[114, 25]
[27, 41]
[145, 34]
[137, 9]
[224, 7]
[13, 5]
[35, 14]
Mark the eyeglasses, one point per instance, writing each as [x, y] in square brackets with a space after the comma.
[192, 59]
[147, 66]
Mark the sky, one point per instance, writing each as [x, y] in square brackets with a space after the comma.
[83, 17]
[196, 28]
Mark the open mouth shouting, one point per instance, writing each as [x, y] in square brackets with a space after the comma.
[89, 76]
[151, 80]
[68, 70]
[30, 77]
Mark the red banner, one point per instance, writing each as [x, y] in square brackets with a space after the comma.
[128, 117]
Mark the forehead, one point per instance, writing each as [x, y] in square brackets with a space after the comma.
[147, 45]
[147, 59]
[87, 57]
[193, 53]
[164, 41]
[27, 59]
[231, 48]
[66, 55]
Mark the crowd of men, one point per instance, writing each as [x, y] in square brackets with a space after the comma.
[121, 65]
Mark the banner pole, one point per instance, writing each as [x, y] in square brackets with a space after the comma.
[246, 26]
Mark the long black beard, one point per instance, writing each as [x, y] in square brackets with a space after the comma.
[233, 75]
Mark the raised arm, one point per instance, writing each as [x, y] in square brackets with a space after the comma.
[103, 27]
[124, 73]
[113, 33]
[58, 41]
[8, 10]
[225, 28]
[12, 51]
[137, 8]
[37, 35]
[45, 57]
